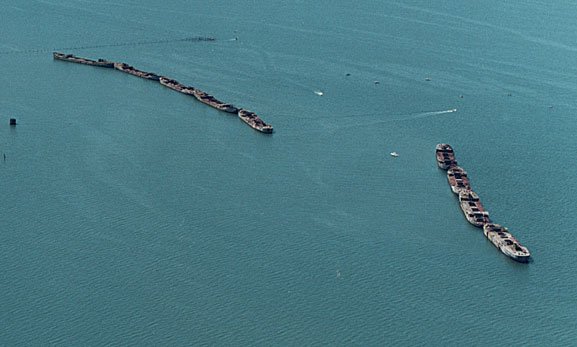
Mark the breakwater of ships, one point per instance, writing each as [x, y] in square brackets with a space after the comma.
[248, 117]
[474, 210]
[469, 201]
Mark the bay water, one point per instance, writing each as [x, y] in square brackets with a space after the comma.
[134, 215]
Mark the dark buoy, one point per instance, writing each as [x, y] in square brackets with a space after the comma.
[12, 121]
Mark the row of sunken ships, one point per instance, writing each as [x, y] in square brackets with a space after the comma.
[250, 118]
[474, 210]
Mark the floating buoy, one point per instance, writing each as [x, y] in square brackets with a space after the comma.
[12, 121]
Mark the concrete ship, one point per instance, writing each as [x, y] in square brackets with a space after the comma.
[445, 156]
[138, 73]
[254, 121]
[458, 179]
[74, 59]
[175, 85]
[210, 100]
[502, 239]
[248, 117]
[201, 96]
[172, 84]
[473, 209]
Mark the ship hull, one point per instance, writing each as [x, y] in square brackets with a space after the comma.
[254, 121]
[458, 180]
[445, 156]
[172, 84]
[211, 101]
[476, 219]
[74, 59]
[135, 72]
[502, 239]
[458, 189]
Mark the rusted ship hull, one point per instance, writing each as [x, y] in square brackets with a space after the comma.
[74, 59]
[254, 121]
[211, 101]
[501, 238]
[458, 179]
[475, 216]
[135, 72]
[473, 208]
[172, 84]
[445, 156]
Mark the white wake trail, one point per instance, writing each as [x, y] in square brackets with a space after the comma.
[424, 114]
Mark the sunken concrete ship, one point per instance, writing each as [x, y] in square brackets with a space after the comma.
[254, 121]
[129, 69]
[474, 210]
[211, 101]
[248, 117]
[458, 179]
[176, 86]
[74, 59]
[506, 243]
[445, 156]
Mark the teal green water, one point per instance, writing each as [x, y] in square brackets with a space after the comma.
[133, 215]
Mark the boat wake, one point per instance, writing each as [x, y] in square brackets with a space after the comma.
[422, 114]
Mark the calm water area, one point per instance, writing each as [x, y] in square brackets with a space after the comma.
[133, 215]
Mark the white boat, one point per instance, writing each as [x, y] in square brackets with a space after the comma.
[394, 154]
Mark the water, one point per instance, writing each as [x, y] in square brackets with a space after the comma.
[133, 215]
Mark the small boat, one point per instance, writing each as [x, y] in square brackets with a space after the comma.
[394, 154]
[319, 93]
